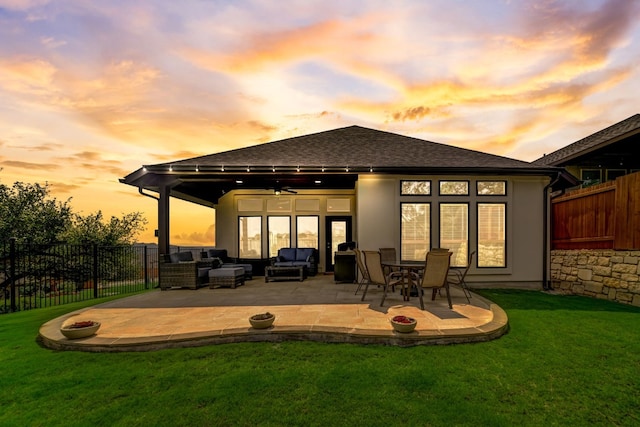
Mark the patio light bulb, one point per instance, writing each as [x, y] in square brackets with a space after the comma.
[222, 168]
[277, 192]
[298, 169]
[323, 169]
[170, 168]
[144, 168]
[273, 169]
[371, 169]
[197, 168]
[248, 169]
[347, 169]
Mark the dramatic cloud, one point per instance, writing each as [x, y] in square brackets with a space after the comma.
[93, 90]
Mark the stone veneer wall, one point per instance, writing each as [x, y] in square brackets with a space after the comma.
[599, 273]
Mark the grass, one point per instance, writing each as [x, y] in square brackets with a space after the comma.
[566, 361]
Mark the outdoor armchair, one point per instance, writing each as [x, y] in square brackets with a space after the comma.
[376, 274]
[435, 275]
[389, 255]
[181, 271]
[457, 277]
[364, 274]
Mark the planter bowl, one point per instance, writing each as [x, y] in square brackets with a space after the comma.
[258, 321]
[402, 326]
[83, 332]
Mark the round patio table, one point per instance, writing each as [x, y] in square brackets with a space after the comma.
[406, 268]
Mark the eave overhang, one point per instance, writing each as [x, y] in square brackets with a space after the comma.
[205, 185]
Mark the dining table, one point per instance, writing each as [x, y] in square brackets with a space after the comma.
[406, 268]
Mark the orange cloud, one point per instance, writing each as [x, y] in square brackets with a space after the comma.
[30, 166]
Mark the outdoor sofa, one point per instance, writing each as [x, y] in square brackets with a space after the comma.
[294, 257]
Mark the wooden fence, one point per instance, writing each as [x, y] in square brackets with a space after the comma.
[603, 216]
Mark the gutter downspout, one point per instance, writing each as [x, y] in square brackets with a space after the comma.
[148, 195]
[545, 226]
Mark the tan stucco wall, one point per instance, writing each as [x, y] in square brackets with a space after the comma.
[227, 216]
[376, 222]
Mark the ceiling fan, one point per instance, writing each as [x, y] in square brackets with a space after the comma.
[278, 190]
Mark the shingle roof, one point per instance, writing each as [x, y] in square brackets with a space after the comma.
[356, 146]
[597, 140]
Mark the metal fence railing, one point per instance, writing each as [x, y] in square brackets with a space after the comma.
[35, 276]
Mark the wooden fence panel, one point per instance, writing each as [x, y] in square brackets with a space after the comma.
[603, 216]
[584, 219]
[627, 215]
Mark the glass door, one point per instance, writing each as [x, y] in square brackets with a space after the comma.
[338, 231]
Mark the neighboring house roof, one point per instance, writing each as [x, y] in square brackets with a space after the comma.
[331, 160]
[614, 133]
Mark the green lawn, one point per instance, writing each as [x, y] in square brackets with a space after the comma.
[566, 361]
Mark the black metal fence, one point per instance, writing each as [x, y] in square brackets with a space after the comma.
[34, 276]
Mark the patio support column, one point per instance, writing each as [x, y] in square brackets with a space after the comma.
[163, 220]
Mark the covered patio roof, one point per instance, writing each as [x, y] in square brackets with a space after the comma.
[325, 160]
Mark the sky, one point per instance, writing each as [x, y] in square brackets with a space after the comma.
[92, 90]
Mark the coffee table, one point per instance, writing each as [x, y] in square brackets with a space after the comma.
[283, 273]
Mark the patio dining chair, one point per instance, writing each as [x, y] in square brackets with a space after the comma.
[364, 274]
[435, 275]
[376, 274]
[388, 255]
[457, 277]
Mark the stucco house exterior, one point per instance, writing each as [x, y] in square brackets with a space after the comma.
[376, 188]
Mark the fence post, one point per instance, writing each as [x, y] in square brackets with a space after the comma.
[146, 268]
[95, 270]
[12, 272]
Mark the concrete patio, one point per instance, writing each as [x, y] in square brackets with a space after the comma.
[316, 309]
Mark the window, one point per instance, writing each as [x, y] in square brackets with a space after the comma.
[590, 177]
[279, 232]
[454, 188]
[250, 205]
[454, 231]
[278, 204]
[415, 233]
[338, 205]
[250, 236]
[491, 235]
[307, 231]
[420, 188]
[491, 188]
[614, 173]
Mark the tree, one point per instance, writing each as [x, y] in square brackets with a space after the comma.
[28, 214]
[93, 229]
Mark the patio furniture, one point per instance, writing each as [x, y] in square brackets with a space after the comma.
[364, 274]
[344, 269]
[377, 276]
[291, 272]
[457, 277]
[435, 274]
[179, 270]
[388, 255]
[227, 262]
[294, 257]
[411, 272]
[226, 276]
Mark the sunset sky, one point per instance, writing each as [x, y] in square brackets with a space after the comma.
[92, 90]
